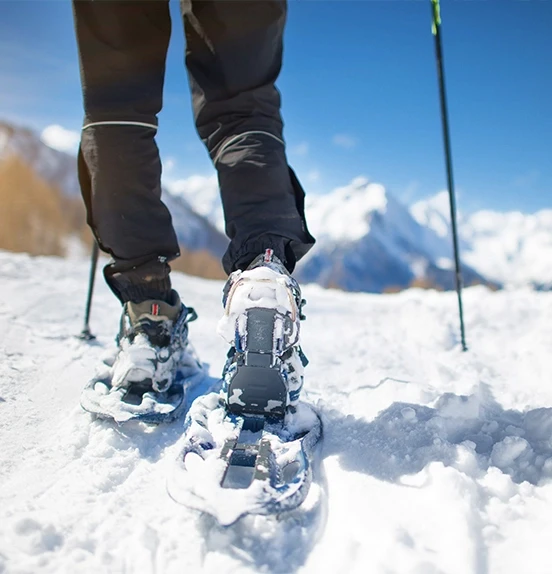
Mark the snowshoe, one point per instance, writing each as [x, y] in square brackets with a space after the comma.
[154, 366]
[247, 449]
[232, 465]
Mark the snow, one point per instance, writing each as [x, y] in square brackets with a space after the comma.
[368, 241]
[260, 287]
[433, 460]
[434, 213]
[515, 248]
[350, 213]
[353, 203]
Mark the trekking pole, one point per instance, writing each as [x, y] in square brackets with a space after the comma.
[85, 333]
[436, 28]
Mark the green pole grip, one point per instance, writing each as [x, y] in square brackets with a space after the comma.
[436, 16]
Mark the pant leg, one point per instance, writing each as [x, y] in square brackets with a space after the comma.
[233, 57]
[122, 50]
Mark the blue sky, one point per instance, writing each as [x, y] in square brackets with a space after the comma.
[359, 94]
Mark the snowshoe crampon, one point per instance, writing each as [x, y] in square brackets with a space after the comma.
[233, 465]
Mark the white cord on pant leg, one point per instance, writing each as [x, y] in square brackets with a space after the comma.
[235, 138]
[120, 123]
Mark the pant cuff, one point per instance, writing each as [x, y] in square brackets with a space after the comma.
[150, 280]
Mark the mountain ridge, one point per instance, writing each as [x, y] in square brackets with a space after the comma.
[367, 240]
[511, 247]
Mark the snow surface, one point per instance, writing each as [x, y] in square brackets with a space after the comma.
[434, 460]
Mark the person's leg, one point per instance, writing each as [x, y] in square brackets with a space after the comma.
[122, 49]
[233, 57]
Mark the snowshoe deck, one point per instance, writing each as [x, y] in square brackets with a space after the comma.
[233, 465]
[139, 402]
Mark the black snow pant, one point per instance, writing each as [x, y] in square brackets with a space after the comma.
[233, 57]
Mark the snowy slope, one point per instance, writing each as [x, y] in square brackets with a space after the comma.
[434, 460]
[512, 248]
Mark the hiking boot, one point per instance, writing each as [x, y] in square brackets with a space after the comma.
[262, 311]
[152, 341]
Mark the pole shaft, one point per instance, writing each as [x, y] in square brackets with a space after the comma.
[448, 161]
[86, 334]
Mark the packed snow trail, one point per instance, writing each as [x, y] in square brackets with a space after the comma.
[434, 460]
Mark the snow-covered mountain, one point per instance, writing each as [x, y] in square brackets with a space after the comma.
[368, 241]
[193, 230]
[203, 193]
[55, 167]
[432, 461]
[512, 248]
